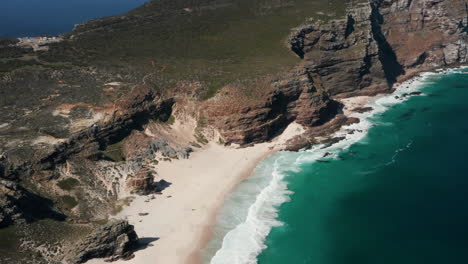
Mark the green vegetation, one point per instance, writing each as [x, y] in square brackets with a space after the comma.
[212, 42]
[171, 120]
[69, 202]
[114, 151]
[168, 42]
[42, 232]
[7, 65]
[68, 184]
[164, 119]
[201, 138]
[171, 156]
[9, 242]
[101, 221]
[120, 204]
[195, 144]
[221, 141]
[202, 123]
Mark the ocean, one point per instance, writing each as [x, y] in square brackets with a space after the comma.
[394, 191]
[21, 18]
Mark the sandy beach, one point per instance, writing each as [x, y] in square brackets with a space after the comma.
[176, 225]
[178, 222]
[352, 103]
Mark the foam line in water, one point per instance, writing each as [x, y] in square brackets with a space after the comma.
[245, 240]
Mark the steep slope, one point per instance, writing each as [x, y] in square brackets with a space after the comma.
[68, 108]
[83, 123]
[378, 44]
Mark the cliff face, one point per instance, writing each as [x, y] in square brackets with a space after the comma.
[77, 112]
[113, 241]
[383, 42]
[258, 117]
[36, 147]
[378, 44]
[81, 131]
[425, 34]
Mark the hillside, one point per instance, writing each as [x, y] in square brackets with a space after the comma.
[83, 121]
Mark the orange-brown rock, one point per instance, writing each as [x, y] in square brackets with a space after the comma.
[142, 182]
[244, 119]
[378, 44]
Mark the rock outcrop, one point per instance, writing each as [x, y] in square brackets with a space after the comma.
[115, 240]
[142, 182]
[70, 114]
[104, 128]
[38, 158]
[347, 55]
[278, 102]
[20, 205]
[382, 42]
[378, 43]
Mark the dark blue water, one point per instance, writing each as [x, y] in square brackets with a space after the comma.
[19, 18]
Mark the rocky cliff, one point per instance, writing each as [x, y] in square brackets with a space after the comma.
[83, 124]
[376, 45]
[112, 241]
[383, 42]
[58, 140]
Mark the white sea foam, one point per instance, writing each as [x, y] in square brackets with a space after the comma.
[243, 243]
[252, 211]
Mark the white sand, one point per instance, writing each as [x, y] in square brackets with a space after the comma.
[352, 103]
[183, 222]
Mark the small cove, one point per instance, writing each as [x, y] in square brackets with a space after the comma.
[394, 194]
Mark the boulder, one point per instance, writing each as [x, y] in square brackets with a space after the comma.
[115, 240]
[142, 182]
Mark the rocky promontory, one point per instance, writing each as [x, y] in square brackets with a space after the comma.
[112, 241]
[85, 122]
[376, 45]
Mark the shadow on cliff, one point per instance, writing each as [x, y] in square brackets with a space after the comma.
[328, 113]
[391, 67]
[30, 206]
[136, 122]
[42, 208]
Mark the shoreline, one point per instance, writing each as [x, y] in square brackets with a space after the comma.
[207, 234]
[174, 227]
[350, 134]
[155, 246]
[180, 236]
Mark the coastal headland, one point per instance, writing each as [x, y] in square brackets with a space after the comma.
[157, 114]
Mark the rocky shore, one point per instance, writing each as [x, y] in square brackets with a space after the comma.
[78, 138]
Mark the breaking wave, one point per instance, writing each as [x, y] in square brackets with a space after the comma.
[252, 210]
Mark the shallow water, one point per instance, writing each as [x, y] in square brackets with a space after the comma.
[393, 193]
[19, 18]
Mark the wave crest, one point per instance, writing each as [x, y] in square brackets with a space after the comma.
[245, 238]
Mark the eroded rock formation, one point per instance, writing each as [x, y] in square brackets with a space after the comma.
[98, 124]
[112, 241]
[19, 204]
[378, 44]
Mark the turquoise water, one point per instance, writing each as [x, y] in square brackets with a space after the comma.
[394, 193]
[19, 18]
